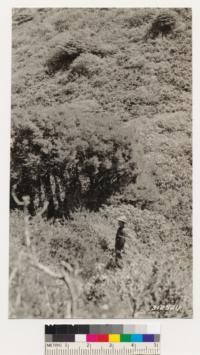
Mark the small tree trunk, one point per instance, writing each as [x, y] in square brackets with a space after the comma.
[49, 195]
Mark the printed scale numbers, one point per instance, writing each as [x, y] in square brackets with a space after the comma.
[56, 348]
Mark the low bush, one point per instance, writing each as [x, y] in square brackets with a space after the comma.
[22, 16]
[139, 17]
[164, 23]
[63, 55]
[64, 49]
[87, 65]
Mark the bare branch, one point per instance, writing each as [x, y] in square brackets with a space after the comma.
[66, 266]
[40, 213]
[44, 268]
[69, 284]
[47, 299]
[15, 269]
[18, 202]
[26, 230]
[26, 200]
[62, 276]
[68, 313]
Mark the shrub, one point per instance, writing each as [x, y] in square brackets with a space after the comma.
[164, 23]
[101, 49]
[63, 56]
[60, 20]
[87, 65]
[138, 286]
[21, 16]
[139, 17]
[142, 95]
[65, 49]
[135, 63]
[71, 159]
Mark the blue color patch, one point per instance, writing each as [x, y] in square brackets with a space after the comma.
[137, 338]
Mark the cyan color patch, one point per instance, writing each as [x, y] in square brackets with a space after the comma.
[137, 338]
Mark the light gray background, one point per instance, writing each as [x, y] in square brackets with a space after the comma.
[26, 337]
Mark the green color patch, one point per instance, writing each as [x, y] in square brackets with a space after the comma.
[125, 338]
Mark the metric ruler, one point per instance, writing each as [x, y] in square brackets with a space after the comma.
[102, 349]
[109, 339]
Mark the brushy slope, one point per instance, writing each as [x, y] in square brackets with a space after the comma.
[107, 65]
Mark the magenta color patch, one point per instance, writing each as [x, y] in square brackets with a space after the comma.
[91, 337]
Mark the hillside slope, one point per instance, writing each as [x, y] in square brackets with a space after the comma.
[102, 70]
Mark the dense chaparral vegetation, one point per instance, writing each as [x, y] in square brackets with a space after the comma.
[101, 126]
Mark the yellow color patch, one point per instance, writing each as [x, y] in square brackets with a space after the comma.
[114, 338]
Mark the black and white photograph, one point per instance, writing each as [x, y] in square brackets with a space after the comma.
[101, 163]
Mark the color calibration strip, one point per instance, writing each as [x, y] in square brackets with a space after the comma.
[105, 338]
[112, 333]
[110, 339]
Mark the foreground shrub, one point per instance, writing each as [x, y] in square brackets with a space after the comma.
[151, 282]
